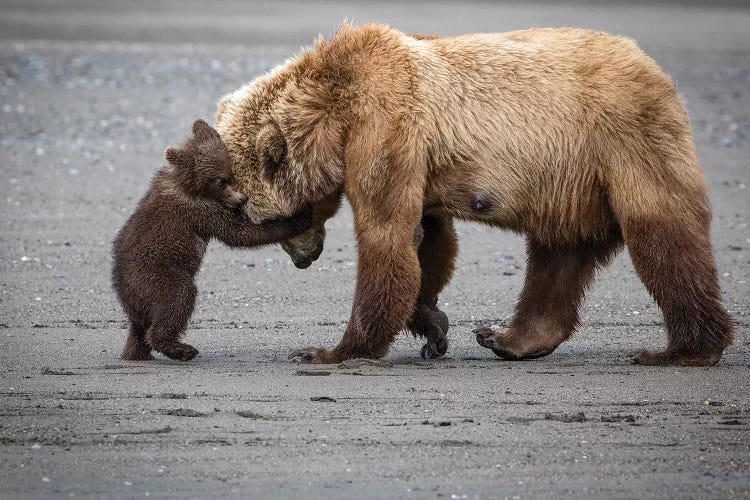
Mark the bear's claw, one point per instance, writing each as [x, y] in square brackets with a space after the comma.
[316, 355]
[487, 337]
[434, 349]
[432, 324]
[667, 358]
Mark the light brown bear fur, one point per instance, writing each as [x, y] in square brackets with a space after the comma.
[573, 137]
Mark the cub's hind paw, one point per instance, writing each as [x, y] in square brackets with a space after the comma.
[180, 352]
[136, 351]
[137, 356]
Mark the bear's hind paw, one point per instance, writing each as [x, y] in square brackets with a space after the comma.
[671, 358]
[314, 355]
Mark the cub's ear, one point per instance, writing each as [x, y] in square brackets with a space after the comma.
[179, 158]
[204, 131]
[272, 150]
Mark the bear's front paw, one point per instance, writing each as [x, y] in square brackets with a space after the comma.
[431, 323]
[314, 355]
[505, 346]
[434, 348]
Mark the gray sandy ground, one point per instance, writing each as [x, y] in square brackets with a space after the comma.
[84, 122]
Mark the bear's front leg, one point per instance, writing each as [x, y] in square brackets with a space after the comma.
[388, 278]
[437, 250]
[432, 324]
[384, 183]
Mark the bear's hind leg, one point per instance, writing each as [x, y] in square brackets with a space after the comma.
[136, 348]
[170, 322]
[547, 310]
[674, 260]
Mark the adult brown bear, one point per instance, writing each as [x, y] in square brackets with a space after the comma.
[572, 137]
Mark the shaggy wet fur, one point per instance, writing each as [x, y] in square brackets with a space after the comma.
[575, 138]
[159, 250]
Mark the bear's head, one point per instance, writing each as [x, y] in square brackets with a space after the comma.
[202, 167]
[286, 143]
[286, 146]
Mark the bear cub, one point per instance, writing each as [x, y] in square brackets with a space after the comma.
[159, 250]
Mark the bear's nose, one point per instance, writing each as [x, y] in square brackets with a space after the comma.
[243, 199]
[302, 263]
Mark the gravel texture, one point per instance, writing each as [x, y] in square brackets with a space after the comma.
[84, 122]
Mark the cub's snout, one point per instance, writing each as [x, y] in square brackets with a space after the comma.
[235, 198]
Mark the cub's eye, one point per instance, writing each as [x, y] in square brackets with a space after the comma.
[223, 183]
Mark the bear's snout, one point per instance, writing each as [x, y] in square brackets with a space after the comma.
[302, 263]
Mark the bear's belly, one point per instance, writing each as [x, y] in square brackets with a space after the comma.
[541, 210]
[473, 204]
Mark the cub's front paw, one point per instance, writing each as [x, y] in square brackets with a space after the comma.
[179, 351]
[314, 355]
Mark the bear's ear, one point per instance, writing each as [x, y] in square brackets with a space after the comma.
[204, 131]
[272, 150]
[222, 107]
[179, 158]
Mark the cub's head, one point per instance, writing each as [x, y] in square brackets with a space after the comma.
[203, 167]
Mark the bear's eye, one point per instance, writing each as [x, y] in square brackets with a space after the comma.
[222, 183]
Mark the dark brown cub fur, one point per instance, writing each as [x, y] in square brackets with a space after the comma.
[159, 250]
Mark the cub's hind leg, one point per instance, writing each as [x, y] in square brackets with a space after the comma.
[547, 310]
[169, 322]
[136, 348]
